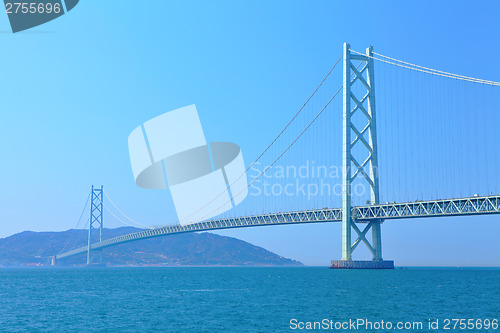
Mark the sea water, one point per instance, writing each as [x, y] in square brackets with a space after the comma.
[244, 299]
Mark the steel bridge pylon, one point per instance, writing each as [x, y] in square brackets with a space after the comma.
[364, 103]
[96, 220]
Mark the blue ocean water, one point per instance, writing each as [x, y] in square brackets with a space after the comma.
[219, 299]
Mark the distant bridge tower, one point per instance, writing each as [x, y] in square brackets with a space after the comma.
[95, 223]
[364, 135]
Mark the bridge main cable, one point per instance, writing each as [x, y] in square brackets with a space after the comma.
[408, 65]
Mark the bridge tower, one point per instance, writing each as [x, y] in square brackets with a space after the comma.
[364, 135]
[95, 222]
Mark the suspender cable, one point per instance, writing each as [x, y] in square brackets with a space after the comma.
[275, 139]
[77, 223]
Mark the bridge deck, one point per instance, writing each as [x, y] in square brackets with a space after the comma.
[389, 211]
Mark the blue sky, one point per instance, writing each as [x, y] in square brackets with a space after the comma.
[73, 89]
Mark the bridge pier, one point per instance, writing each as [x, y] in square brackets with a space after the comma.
[362, 264]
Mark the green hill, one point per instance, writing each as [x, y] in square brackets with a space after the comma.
[30, 248]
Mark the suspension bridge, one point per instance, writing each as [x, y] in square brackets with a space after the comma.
[361, 161]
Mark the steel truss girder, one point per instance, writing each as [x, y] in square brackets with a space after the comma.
[463, 206]
[365, 214]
